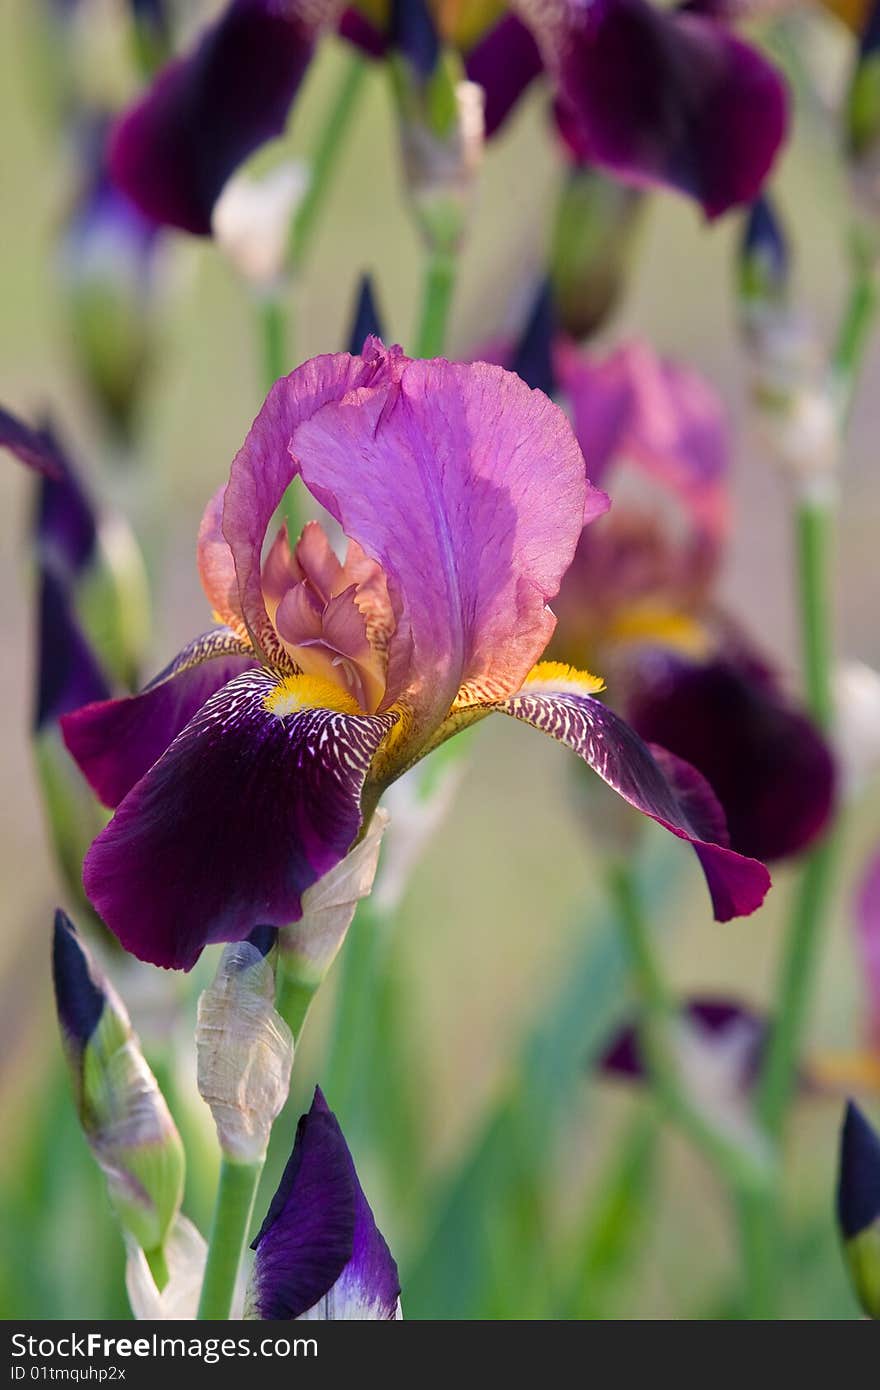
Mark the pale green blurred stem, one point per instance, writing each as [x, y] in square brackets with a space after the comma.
[438, 284]
[815, 521]
[743, 1170]
[274, 310]
[229, 1230]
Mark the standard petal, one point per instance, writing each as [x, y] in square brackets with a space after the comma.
[116, 741]
[470, 491]
[319, 1252]
[764, 759]
[661, 96]
[255, 800]
[217, 567]
[207, 111]
[653, 781]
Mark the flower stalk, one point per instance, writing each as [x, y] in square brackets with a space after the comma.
[229, 1230]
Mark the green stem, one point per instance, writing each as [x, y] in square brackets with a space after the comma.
[438, 285]
[855, 330]
[324, 159]
[744, 1170]
[815, 527]
[360, 969]
[273, 327]
[229, 1230]
[293, 1000]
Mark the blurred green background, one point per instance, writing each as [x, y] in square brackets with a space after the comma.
[473, 1113]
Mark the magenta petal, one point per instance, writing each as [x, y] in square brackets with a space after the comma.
[504, 62]
[767, 763]
[319, 1252]
[470, 491]
[655, 783]
[206, 112]
[116, 741]
[659, 96]
[244, 811]
[868, 941]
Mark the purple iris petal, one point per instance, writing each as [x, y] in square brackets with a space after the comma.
[504, 62]
[319, 1252]
[66, 529]
[532, 357]
[654, 782]
[34, 448]
[765, 760]
[206, 112]
[69, 674]
[671, 98]
[358, 30]
[243, 812]
[715, 1019]
[116, 741]
[413, 33]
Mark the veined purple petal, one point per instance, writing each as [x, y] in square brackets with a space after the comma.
[116, 741]
[504, 62]
[206, 112]
[654, 782]
[34, 448]
[661, 96]
[244, 811]
[319, 1252]
[69, 674]
[765, 760]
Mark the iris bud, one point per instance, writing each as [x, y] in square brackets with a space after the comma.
[244, 1049]
[858, 1206]
[594, 238]
[121, 1109]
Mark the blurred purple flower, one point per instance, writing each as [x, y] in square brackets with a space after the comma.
[208, 110]
[731, 1030]
[638, 600]
[248, 767]
[319, 1253]
[868, 939]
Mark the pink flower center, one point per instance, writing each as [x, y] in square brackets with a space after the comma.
[333, 619]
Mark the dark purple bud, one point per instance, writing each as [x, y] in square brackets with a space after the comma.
[533, 357]
[65, 527]
[858, 1191]
[264, 938]
[366, 321]
[319, 1253]
[413, 34]
[764, 254]
[79, 993]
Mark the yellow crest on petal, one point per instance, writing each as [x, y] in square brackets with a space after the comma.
[557, 675]
[665, 627]
[301, 691]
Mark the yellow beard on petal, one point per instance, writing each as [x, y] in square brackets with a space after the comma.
[664, 627]
[296, 692]
[557, 675]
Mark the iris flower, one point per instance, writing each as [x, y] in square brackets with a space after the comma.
[247, 769]
[654, 96]
[639, 598]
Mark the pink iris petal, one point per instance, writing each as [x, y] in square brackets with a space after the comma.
[665, 97]
[659, 785]
[467, 488]
[868, 938]
[116, 741]
[662, 416]
[263, 467]
[207, 111]
[216, 566]
[242, 813]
